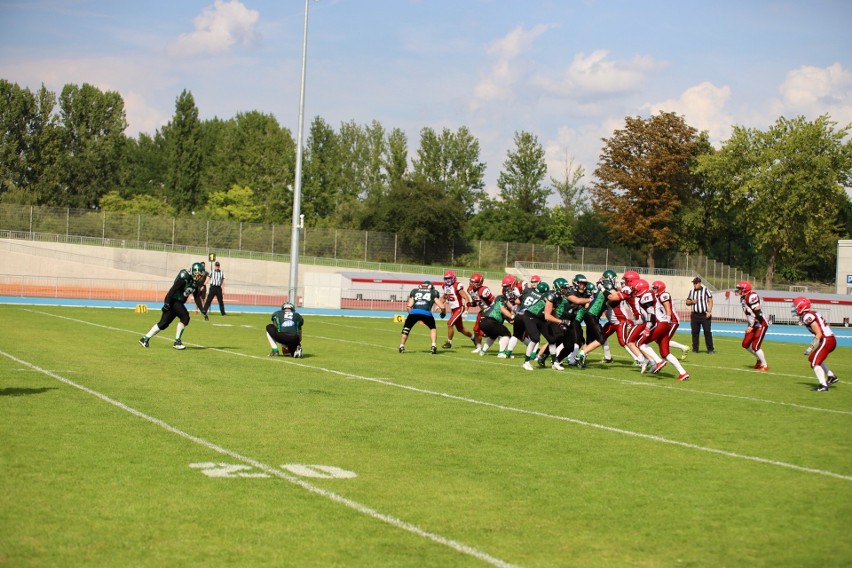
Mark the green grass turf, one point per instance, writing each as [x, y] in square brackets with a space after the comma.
[460, 460]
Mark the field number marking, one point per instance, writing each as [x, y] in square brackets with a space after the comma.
[234, 470]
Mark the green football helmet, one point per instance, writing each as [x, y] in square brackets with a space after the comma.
[542, 287]
[560, 284]
[287, 306]
[580, 278]
[610, 275]
[197, 272]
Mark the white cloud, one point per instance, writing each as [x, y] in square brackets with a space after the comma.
[218, 29]
[498, 83]
[814, 91]
[595, 75]
[703, 108]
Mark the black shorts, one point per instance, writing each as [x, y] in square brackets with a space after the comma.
[289, 340]
[492, 328]
[177, 310]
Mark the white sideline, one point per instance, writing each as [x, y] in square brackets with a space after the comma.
[390, 383]
[393, 521]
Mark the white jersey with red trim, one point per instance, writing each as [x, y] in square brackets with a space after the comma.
[633, 303]
[618, 311]
[662, 299]
[809, 318]
[453, 295]
[651, 310]
[750, 302]
[482, 296]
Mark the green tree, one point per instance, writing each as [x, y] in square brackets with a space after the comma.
[563, 220]
[788, 184]
[321, 173]
[236, 204]
[183, 139]
[92, 134]
[144, 167]
[451, 162]
[395, 160]
[522, 190]
[644, 178]
[136, 204]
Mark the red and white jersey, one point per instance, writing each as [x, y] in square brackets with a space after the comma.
[808, 318]
[663, 299]
[751, 302]
[453, 295]
[651, 310]
[481, 296]
[618, 311]
[633, 303]
[513, 294]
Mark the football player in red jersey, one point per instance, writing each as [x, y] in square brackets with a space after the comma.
[456, 300]
[667, 324]
[482, 298]
[757, 323]
[824, 341]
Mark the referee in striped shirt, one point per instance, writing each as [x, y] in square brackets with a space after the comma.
[701, 301]
[217, 278]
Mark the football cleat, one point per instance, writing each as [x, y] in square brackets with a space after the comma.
[763, 368]
[528, 366]
[758, 364]
[581, 359]
[683, 376]
[542, 362]
[643, 366]
[273, 353]
[178, 345]
[831, 379]
[206, 318]
[685, 353]
[557, 366]
[822, 388]
[482, 352]
[297, 353]
[402, 348]
[447, 345]
[658, 367]
[608, 360]
[143, 341]
[477, 350]
[502, 355]
[433, 350]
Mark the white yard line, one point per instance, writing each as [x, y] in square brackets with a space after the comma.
[363, 509]
[622, 431]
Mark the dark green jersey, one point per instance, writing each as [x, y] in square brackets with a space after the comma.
[184, 287]
[536, 308]
[424, 299]
[571, 308]
[494, 311]
[560, 306]
[287, 322]
[528, 297]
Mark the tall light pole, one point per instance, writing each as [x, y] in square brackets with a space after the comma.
[297, 187]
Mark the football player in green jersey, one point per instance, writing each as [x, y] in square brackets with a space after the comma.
[187, 283]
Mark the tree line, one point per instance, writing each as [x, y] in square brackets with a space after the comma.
[772, 202]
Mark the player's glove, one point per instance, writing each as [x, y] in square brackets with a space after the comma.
[205, 316]
[166, 307]
[809, 350]
[443, 314]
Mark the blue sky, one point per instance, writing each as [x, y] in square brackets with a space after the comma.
[568, 71]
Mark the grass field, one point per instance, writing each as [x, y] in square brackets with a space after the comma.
[115, 455]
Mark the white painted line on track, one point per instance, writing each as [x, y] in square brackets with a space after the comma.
[363, 509]
[567, 419]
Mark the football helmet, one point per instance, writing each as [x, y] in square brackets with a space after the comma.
[560, 284]
[542, 287]
[426, 284]
[801, 305]
[449, 277]
[743, 288]
[640, 287]
[658, 286]
[629, 277]
[580, 279]
[535, 279]
[287, 306]
[508, 281]
[476, 280]
[197, 272]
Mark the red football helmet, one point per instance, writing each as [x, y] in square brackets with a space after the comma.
[535, 279]
[630, 277]
[476, 280]
[801, 305]
[508, 281]
[658, 286]
[640, 287]
[743, 288]
[449, 277]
